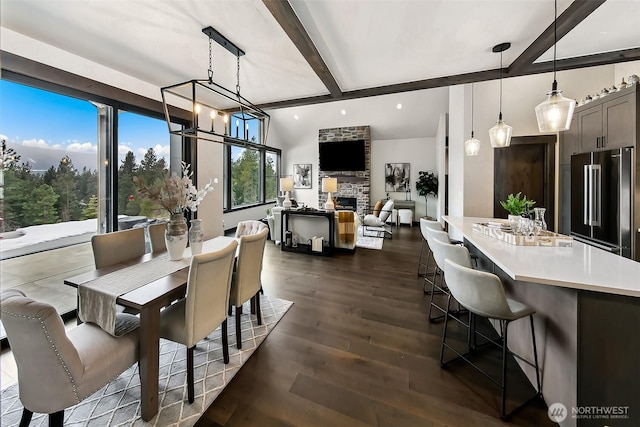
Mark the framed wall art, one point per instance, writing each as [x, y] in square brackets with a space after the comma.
[302, 175]
[397, 177]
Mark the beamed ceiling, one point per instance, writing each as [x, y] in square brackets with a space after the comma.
[301, 52]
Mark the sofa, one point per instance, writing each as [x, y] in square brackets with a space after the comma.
[306, 227]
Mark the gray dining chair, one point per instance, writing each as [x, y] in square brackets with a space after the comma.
[483, 295]
[246, 283]
[116, 247]
[156, 237]
[204, 306]
[56, 368]
[249, 227]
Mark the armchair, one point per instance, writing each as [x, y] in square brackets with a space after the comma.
[59, 369]
[377, 221]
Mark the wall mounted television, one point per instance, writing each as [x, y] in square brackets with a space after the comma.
[342, 155]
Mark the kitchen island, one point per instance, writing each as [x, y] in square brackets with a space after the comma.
[587, 305]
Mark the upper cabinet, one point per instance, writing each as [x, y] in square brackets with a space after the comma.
[607, 123]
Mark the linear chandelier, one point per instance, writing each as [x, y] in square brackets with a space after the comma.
[214, 108]
[555, 113]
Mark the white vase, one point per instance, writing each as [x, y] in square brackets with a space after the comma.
[175, 236]
[196, 236]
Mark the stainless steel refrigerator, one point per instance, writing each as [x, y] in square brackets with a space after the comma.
[601, 199]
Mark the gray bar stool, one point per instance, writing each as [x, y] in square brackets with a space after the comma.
[483, 295]
[442, 247]
[424, 225]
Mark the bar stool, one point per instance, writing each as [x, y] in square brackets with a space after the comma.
[483, 295]
[441, 246]
[424, 224]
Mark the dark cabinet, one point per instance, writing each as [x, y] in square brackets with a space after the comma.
[609, 123]
[569, 142]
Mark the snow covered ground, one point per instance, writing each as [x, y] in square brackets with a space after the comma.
[39, 238]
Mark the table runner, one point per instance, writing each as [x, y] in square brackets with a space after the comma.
[98, 297]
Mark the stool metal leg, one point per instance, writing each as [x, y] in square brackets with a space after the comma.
[420, 259]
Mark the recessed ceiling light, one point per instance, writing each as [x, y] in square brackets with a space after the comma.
[343, 112]
[399, 106]
[295, 116]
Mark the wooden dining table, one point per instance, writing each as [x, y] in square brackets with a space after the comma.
[149, 298]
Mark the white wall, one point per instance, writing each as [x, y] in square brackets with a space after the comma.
[420, 153]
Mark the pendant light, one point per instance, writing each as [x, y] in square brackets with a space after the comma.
[472, 145]
[555, 113]
[500, 134]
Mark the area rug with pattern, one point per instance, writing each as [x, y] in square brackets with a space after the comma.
[369, 240]
[118, 403]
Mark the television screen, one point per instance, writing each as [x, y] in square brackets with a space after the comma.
[342, 155]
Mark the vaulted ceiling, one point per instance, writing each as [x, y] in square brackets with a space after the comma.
[309, 51]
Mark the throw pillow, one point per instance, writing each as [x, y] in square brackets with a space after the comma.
[377, 207]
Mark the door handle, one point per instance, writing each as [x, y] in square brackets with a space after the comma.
[604, 141]
[598, 142]
[586, 202]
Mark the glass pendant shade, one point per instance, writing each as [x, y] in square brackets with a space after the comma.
[555, 113]
[500, 134]
[472, 146]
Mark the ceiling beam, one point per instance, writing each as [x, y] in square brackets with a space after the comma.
[572, 16]
[538, 68]
[288, 20]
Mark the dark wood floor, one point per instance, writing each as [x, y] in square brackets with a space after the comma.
[356, 350]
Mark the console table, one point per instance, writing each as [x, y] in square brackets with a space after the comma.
[304, 247]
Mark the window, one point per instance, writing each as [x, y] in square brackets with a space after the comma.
[251, 170]
[66, 159]
[50, 158]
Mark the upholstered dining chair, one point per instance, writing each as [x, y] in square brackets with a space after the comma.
[248, 227]
[156, 237]
[379, 221]
[246, 283]
[119, 246]
[56, 368]
[204, 306]
[483, 295]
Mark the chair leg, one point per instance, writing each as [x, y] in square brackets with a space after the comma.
[26, 417]
[56, 419]
[420, 257]
[252, 303]
[444, 332]
[238, 331]
[504, 371]
[225, 342]
[190, 387]
[258, 311]
[535, 355]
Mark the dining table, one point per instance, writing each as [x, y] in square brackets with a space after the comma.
[147, 284]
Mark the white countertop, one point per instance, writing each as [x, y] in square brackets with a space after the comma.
[579, 267]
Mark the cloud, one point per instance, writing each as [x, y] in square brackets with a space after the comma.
[40, 143]
[4, 137]
[123, 150]
[85, 147]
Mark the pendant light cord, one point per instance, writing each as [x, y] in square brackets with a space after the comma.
[500, 115]
[555, 43]
[471, 110]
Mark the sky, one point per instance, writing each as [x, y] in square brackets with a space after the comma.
[34, 117]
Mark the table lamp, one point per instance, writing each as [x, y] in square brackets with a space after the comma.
[329, 185]
[286, 185]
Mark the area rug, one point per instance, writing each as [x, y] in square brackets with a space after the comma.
[118, 403]
[369, 242]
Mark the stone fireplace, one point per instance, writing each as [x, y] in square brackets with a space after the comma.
[356, 184]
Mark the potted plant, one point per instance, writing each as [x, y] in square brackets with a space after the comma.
[426, 185]
[516, 205]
